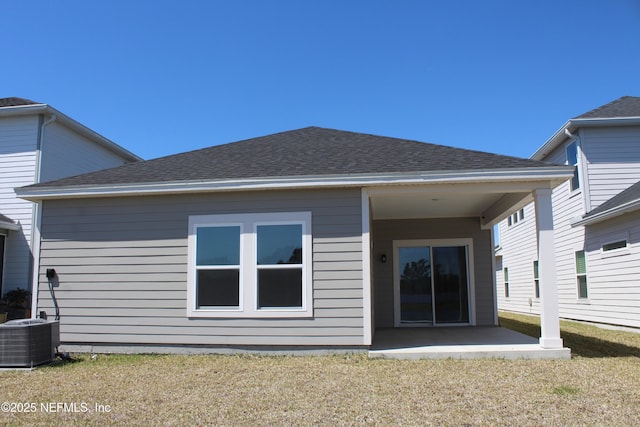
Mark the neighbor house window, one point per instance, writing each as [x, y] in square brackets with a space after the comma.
[506, 282]
[536, 280]
[250, 265]
[514, 218]
[581, 274]
[621, 244]
[572, 160]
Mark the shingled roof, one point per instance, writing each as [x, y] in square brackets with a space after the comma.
[15, 102]
[628, 196]
[627, 106]
[7, 223]
[310, 151]
[5, 219]
[623, 111]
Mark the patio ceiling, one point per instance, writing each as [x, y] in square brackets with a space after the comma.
[491, 202]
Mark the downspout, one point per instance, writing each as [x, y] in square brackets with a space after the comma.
[37, 223]
[570, 135]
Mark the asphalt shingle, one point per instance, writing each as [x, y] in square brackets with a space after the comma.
[310, 151]
[627, 106]
[15, 102]
[629, 195]
[6, 219]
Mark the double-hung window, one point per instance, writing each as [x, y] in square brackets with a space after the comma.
[279, 266]
[250, 265]
[536, 280]
[217, 267]
[506, 282]
[581, 275]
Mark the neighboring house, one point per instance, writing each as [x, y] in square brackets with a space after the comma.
[596, 218]
[38, 143]
[308, 238]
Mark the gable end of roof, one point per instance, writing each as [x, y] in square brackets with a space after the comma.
[623, 111]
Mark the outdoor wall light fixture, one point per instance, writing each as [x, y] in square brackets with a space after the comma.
[383, 258]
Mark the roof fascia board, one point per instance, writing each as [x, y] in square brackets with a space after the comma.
[631, 206]
[22, 110]
[545, 174]
[9, 226]
[571, 125]
[551, 143]
[612, 121]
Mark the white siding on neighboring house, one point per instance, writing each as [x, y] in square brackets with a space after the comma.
[519, 263]
[18, 144]
[29, 154]
[613, 276]
[612, 159]
[519, 250]
[66, 153]
[122, 267]
[610, 164]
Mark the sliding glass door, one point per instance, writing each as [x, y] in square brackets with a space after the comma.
[416, 290]
[431, 283]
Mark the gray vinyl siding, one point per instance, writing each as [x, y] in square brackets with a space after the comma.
[612, 161]
[386, 231]
[122, 266]
[18, 144]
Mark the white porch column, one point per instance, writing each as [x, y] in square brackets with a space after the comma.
[549, 313]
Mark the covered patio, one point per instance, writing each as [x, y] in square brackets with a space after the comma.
[463, 342]
[432, 266]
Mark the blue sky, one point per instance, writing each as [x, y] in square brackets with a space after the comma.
[161, 77]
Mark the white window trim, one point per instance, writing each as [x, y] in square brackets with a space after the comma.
[471, 294]
[516, 218]
[616, 252]
[248, 307]
[580, 299]
[536, 279]
[193, 268]
[574, 191]
[506, 284]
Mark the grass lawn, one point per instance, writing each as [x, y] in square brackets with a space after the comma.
[599, 386]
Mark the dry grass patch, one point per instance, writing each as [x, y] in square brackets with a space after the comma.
[334, 390]
[585, 340]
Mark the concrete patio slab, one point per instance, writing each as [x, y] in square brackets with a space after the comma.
[469, 342]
